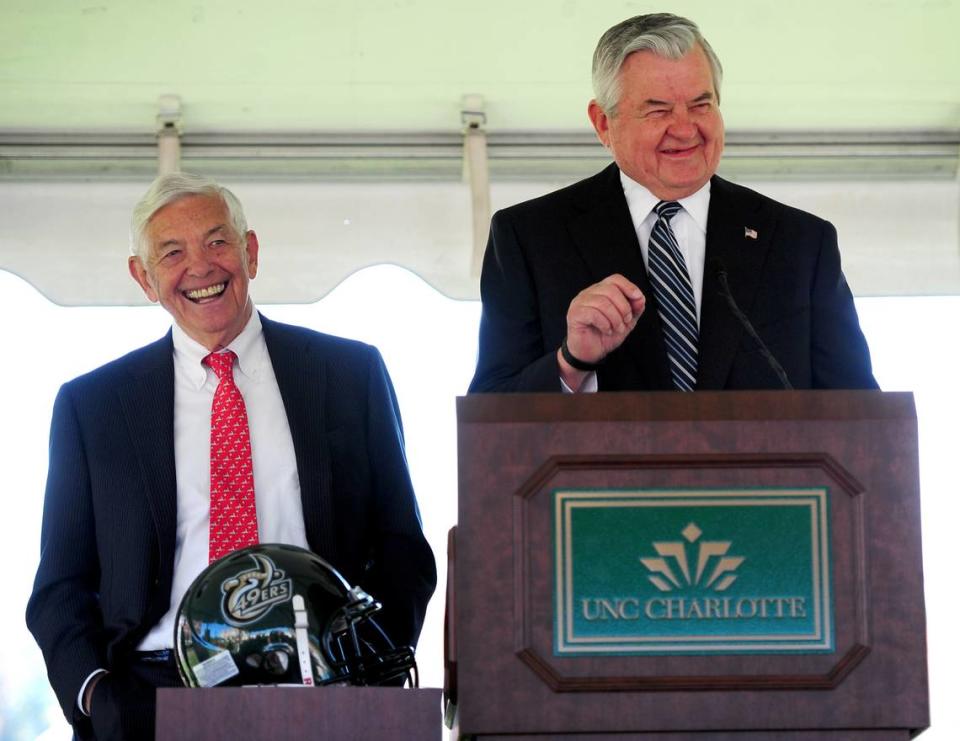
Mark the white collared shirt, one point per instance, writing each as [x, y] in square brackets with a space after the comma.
[275, 480]
[690, 228]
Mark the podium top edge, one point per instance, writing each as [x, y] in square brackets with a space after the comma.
[651, 406]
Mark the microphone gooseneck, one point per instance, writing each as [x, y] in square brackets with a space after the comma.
[721, 273]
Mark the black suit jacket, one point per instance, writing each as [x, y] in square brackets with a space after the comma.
[787, 280]
[109, 520]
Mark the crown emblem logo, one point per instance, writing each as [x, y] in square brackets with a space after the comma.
[671, 569]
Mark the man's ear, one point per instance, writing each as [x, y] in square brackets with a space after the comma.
[253, 254]
[138, 272]
[600, 121]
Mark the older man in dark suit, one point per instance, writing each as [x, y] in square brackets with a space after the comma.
[633, 279]
[127, 520]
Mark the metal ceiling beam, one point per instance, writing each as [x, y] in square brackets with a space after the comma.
[786, 155]
[169, 131]
[477, 173]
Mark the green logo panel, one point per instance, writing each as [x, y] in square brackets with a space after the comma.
[692, 572]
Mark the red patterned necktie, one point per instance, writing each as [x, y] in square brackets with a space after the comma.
[233, 508]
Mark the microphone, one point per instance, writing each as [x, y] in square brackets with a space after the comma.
[721, 272]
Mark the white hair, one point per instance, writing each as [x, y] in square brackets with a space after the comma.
[169, 188]
[664, 34]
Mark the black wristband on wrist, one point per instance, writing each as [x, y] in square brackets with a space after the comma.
[580, 365]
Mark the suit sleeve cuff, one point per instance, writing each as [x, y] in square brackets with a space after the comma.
[83, 688]
[589, 385]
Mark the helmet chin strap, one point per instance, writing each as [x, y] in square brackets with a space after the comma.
[303, 642]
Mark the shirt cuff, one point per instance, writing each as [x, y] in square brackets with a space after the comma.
[589, 385]
[83, 688]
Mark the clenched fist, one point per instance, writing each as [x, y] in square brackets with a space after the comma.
[598, 321]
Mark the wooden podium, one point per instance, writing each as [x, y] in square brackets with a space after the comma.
[514, 675]
[298, 714]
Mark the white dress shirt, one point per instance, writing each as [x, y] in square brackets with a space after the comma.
[275, 481]
[690, 228]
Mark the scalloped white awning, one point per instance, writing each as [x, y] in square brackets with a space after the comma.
[68, 237]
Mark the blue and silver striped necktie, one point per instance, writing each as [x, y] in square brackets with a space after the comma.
[674, 293]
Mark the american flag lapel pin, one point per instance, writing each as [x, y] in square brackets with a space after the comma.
[749, 233]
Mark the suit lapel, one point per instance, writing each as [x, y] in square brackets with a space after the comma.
[733, 211]
[603, 233]
[301, 378]
[147, 403]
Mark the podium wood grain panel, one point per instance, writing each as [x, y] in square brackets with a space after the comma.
[844, 735]
[298, 714]
[514, 450]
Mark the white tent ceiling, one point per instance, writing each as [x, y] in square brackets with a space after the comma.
[339, 124]
[403, 65]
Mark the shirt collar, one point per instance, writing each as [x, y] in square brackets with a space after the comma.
[249, 346]
[641, 201]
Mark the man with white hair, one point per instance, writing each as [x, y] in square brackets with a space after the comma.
[656, 274]
[130, 517]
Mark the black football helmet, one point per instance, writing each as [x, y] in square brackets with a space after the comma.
[278, 614]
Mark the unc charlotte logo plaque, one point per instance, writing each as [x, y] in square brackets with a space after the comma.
[699, 571]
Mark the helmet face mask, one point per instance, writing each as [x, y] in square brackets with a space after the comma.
[281, 615]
